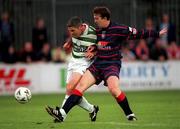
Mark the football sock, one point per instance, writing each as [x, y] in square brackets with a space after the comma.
[123, 102]
[72, 100]
[83, 103]
[65, 98]
[63, 113]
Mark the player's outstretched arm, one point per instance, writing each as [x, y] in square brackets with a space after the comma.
[129, 33]
[133, 33]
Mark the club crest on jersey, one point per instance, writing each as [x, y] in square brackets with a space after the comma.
[78, 43]
[103, 36]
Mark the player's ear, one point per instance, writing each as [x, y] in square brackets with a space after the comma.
[81, 27]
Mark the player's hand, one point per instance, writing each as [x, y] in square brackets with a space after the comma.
[90, 55]
[163, 31]
[91, 48]
[67, 46]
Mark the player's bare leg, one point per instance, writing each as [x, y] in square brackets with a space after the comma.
[113, 86]
[83, 103]
[87, 81]
[72, 83]
[58, 114]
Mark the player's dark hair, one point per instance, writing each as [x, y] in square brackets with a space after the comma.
[74, 22]
[102, 11]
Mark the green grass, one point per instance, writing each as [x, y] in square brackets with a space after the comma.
[154, 109]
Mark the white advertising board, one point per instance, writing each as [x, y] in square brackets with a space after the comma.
[50, 78]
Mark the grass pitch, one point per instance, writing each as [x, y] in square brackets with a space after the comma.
[154, 109]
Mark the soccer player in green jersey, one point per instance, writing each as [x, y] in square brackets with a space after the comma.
[82, 37]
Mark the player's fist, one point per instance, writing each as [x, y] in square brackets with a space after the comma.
[90, 55]
[91, 48]
[67, 46]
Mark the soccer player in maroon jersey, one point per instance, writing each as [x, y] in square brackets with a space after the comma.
[108, 62]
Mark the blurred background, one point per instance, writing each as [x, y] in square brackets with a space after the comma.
[32, 33]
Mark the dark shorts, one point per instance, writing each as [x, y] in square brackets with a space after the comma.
[102, 70]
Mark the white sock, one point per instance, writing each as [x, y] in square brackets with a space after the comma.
[65, 98]
[83, 104]
[63, 113]
[86, 105]
[130, 115]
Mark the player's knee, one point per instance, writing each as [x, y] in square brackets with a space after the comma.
[114, 91]
[111, 90]
[82, 86]
[69, 87]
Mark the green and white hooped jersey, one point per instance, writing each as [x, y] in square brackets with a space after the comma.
[81, 44]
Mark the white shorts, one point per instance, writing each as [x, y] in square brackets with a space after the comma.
[77, 65]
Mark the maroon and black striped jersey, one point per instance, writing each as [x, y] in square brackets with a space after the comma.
[109, 40]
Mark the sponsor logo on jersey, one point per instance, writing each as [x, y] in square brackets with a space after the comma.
[103, 43]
